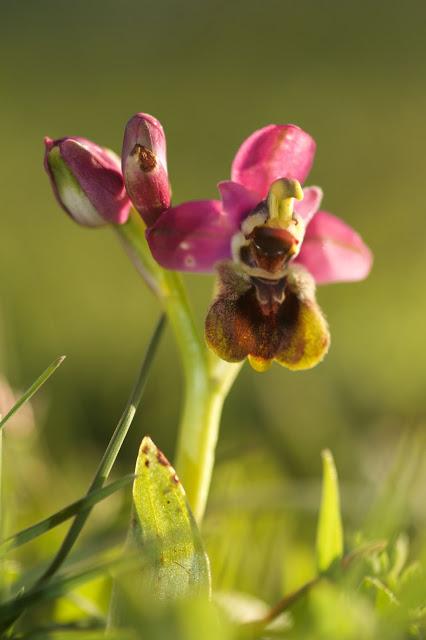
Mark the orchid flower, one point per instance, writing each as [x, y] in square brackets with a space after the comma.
[270, 244]
[266, 237]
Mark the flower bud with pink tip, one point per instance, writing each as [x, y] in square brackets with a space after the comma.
[144, 166]
[87, 181]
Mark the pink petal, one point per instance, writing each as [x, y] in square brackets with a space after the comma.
[237, 201]
[105, 157]
[98, 172]
[276, 151]
[193, 236]
[333, 252]
[308, 207]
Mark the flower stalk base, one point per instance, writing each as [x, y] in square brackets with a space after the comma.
[207, 377]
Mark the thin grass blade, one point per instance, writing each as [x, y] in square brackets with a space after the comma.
[58, 586]
[32, 389]
[11, 611]
[38, 529]
[111, 451]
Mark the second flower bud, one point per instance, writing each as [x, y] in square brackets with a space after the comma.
[144, 166]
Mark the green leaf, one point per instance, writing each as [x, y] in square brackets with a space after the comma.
[329, 546]
[35, 530]
[33, 389]
[164, 534]
[162, 520]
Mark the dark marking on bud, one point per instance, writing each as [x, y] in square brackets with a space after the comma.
[162, 459]
[147, 463]
[145, 449]
[146, 159]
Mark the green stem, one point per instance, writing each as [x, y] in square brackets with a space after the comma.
[207, 378]
[168, 286]
[198, 434]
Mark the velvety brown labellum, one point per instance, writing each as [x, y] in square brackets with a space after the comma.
[239, 324]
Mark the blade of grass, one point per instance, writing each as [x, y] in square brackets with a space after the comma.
[32, 389]
[110, 454]
[45, 525]
[51, 630]
[121, 634]
[98, 481]
[255, 628]
[58, 586]
[3, 419]
[78, 630]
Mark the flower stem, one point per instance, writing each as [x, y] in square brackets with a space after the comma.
[168, 286]
[207, 378]
[198, 434]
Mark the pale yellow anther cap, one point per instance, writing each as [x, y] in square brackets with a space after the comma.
[281, 199]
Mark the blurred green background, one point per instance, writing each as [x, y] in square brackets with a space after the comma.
[353, 75]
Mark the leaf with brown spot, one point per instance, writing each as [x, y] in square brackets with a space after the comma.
[174, 563]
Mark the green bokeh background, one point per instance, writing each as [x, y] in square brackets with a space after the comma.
[353, 75]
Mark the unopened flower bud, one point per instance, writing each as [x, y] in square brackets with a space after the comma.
[144, 166]
[87, 181]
